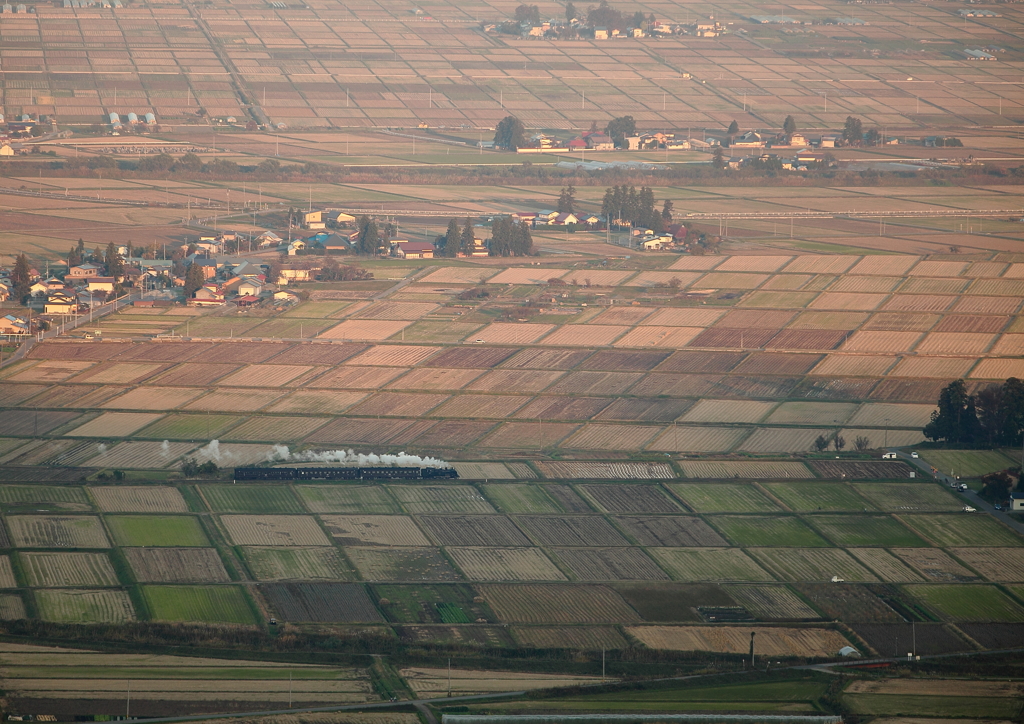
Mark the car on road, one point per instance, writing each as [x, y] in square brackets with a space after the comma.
[969, 509]
[914, 455]
[889, 456]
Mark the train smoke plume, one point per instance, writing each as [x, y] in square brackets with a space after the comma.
[348, 457]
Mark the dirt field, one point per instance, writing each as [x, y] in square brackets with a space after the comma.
[806, 642]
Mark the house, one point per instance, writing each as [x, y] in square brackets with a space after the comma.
[84, 270]
[828, 142]
[246, 301]
[708, 30]
[313, 220]
[207, 296]
[528, 216]
[9, 324]
[247, 269]
[334, 219]
[251, 288]
[600, 33]
[100, 284]
[295, 275]
[61, 302]
[412, 249]
[42, 288]
[209, 266]
[564, 219]
[294, 247]
[5, 292]
[6, 150]
[337, 243]
[1016, 501]
[600, 142]
[286, 297]
[750, 139]
[656, 243]
[268, 239]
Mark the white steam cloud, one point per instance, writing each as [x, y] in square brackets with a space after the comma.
[102, 448]
[165, 449]
[281, 453]
[213, 452]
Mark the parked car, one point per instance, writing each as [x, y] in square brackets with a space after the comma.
[914, 455]
[888, 456]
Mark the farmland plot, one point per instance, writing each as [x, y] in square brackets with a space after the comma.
[908, 497]
[393, 355]
[629, 498]
[458, 434]
[612, 437]
[251, 499]
[962, 530]
[811, 564]
[12, 607]
[191, 373]
[956, 602]
[50, 531]
[698, 439]
[346, 378]
[781, 439]
[417, 499]
[115, 424]
[189, 427]
[875, 414]
[66, 570]
[176, 565]
[435, 683]
[865, 530]
[139, 499]
[885, 565]
[49, 371]
[608, 564]
[644, 410]
[662, 337]
[68, 498]
[730, 411]
[124, 373]
[512, 333]
[234, 400]
[588, 335]
[597, 382]
[891, 639]
[84, 606]
[276, 429]
[346, 499]
[471, 357]
[481, 406]
[473, 530]
[287, 564]
[995, 564]
[546, 359]
[435, 378]
[849, 602]
[709, 564]
[723, 498]
[521, 381]
[804, 497]
[854, 365]
[611, 471]
[563, 408]
[483, 471]
[141, 455]
[373, 330]
[315, 353]
[563, 604]
[809, 413]
[152, 398]
[398, 404]
[772, 602]
[650, 530]
[157, 530]
[748, 530]
[208, 604]
[377, 530]
[505, 564]
[321, 602]
[401, 564]
[521, 498]
[571, 530]
[575, 638]
[968, 463]
[274, 530]
[936, 565]
[801, 642]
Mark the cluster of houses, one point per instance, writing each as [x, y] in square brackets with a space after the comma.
[599, 141]
[554, 29]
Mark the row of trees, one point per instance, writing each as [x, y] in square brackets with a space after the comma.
[456, 241]
[509, 238]
[111, 259]
[993, 416]
[637, 208]
[601, 15]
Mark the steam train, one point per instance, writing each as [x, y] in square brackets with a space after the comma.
[346, 473]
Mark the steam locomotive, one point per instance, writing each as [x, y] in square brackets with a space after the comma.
[346, 473]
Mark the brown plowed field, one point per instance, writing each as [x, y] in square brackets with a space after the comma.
[489, 406]
[546, 359]
[829, 320]
[1009, 345]
[586, 335]
[393, 355]
[516, 380]
[987, 305]
[124, 373]
[807, 339]
[78, 350]
[730, 338]
[848, 301]
[935, 565]
[662, 337]
[615, 361]
[699, 361]
[656, 278]
[972, 323]
[612, 437]
[162, 352]
[49, 371]
[998, 287]
[19, 423]
[571, 530]
[802, 642]
[630, 498]
[654, 385]
[505, 564]
[957, 343]
[753, 263]
[780, 363]
[452, 434]
[909, 390]
[769, 387]
[609, 564]
[317, 354]
[642, 410]
[265, 376]
[606, 471]
[901, 322]
[864, 341]
[676, 530]
[239, 353]
[923, 368]
[432, 378]
[528, 435]
[374, 330]
[359, 430]
[605, 383]
[998, 369]
[929, 268]
[683, 318]
[865, 285]
[923, 285]
[511, 333]
[884, 264]
[472, 357]
[850, 470]
[919, 303]
[932, 638]
[396, 310]
[563, 408]
[749, 318]
[854, 365]
[557, 604]
[626, 316]
[176, 565]
[360, 378]
[811, 264]
[195, 374]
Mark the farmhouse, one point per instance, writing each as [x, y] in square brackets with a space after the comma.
[207, 296]
[335, 219]
[61, 302]
[313, 220]
[600, 142]
[251, 287]
[100, 284]
[750, 139]
[84, 270]
[1016, 501]
[9, 324]
[412, 249]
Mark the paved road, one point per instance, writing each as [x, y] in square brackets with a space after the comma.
[973, 499]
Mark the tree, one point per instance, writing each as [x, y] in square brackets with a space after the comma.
[368, 241]
[872, 137]
[452, 238]
[853, 131]
[37, 131]
[638, 19]
[734, 128]
[21, 277]
[666, 211]
[821, 443]
[618, 128]
[189, 162]
[789, 126]
[113, 261]
[567, 200]
[510, 134]
[74, 258]
[956, 419]
[862, 443]
[194, 279]
[838, 442]
[604, 15]
[528, 14]
[570, 12]
[718, 160]
[467, 241]
[522, 240]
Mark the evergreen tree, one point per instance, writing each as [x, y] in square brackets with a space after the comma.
[718, 160]
[194, 279]
[510, 134]
[853, 131]
[666, 211]
[452, 238]
[570, 12]
[113, 261]
[80, 248]
[956, 420]
[567, 200]
[789, 127]
[74, 259]
[734, 128]
[467, 241]
[618, 128]
[523, 240]
[21, 277]
[369, 238]
[608, 204]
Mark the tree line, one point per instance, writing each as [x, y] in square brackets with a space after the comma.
[991, 417]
